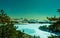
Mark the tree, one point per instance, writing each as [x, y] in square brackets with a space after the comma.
[58, 10]
[7, 28]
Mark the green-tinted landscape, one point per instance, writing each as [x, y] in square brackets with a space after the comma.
[29, 18]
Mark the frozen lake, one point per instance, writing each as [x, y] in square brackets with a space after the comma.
[32, 29]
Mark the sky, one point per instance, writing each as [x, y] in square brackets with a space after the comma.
[30, 8]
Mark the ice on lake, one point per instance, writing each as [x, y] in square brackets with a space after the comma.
[32, 29]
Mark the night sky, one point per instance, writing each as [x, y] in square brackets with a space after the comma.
[30, 8]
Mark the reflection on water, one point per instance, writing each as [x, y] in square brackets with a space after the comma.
[29, 31]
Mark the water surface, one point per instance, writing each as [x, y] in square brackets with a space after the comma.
[32, 29]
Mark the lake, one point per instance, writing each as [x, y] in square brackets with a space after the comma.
[33, 29]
